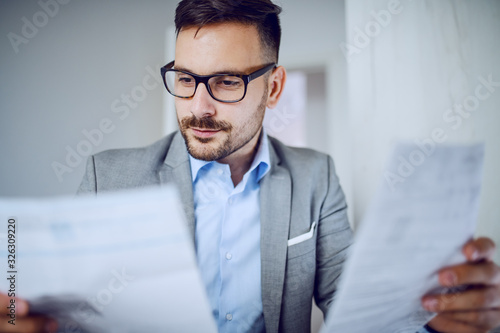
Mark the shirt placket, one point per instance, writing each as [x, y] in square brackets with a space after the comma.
[226, 302]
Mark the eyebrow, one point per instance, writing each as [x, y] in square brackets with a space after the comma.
[226, 71]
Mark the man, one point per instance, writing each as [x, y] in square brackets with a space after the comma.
[269, 222]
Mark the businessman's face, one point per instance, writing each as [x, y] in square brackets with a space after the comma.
[214, 130]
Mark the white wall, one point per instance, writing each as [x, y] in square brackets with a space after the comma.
[402, 84]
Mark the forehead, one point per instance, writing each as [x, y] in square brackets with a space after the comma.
[218, 47]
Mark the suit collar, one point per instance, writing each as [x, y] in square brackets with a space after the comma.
[175, 169]
[177, 153]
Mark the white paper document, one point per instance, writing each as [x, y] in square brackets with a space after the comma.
[121, 262]
[424, 212]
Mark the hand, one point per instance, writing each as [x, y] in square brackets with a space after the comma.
[475, 306]
[24, 322]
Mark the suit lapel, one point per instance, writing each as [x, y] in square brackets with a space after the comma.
[176, 170]
[275, 205]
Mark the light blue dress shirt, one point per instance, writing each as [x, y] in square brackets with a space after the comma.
[227, 239]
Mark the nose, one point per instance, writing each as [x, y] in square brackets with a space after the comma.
[202, 104]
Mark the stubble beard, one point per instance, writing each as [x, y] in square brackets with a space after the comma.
[232, 141]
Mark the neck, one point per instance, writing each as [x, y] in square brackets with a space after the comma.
[241, 160]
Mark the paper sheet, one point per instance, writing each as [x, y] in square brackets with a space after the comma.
[424, 212]
[120, 262]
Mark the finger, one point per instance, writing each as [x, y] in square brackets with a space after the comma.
[32, 324]
[443, 324]
[487, 319]
[9, 304]
[468, 300]
[485, 273]
[479, 249]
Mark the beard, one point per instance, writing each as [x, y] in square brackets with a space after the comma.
[212, 149]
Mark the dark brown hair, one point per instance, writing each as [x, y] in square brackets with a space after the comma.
[263, 14]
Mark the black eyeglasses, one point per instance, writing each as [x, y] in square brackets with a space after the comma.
[227, 88]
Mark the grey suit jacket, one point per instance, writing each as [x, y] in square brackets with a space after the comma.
[301, 188]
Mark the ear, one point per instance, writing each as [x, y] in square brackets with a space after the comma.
[276, 83]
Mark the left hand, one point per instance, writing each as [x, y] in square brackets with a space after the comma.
[476, 308]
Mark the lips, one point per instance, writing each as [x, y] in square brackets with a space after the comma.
[204, 133]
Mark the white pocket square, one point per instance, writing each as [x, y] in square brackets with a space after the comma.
[303, 237]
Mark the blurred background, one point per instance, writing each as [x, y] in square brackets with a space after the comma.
[79, 77]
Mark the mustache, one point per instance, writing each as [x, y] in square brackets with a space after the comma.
[205, 123]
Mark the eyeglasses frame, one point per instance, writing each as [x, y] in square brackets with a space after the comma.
[204, 79]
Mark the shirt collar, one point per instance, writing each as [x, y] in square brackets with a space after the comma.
[261, 161]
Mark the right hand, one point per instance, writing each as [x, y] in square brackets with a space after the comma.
[24, 322]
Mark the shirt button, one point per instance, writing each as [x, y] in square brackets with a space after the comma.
[229, 316]
[228, 256]
[230, 201]
[220, 172]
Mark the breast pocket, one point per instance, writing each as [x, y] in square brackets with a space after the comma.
[302, 244]
[301, 266]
